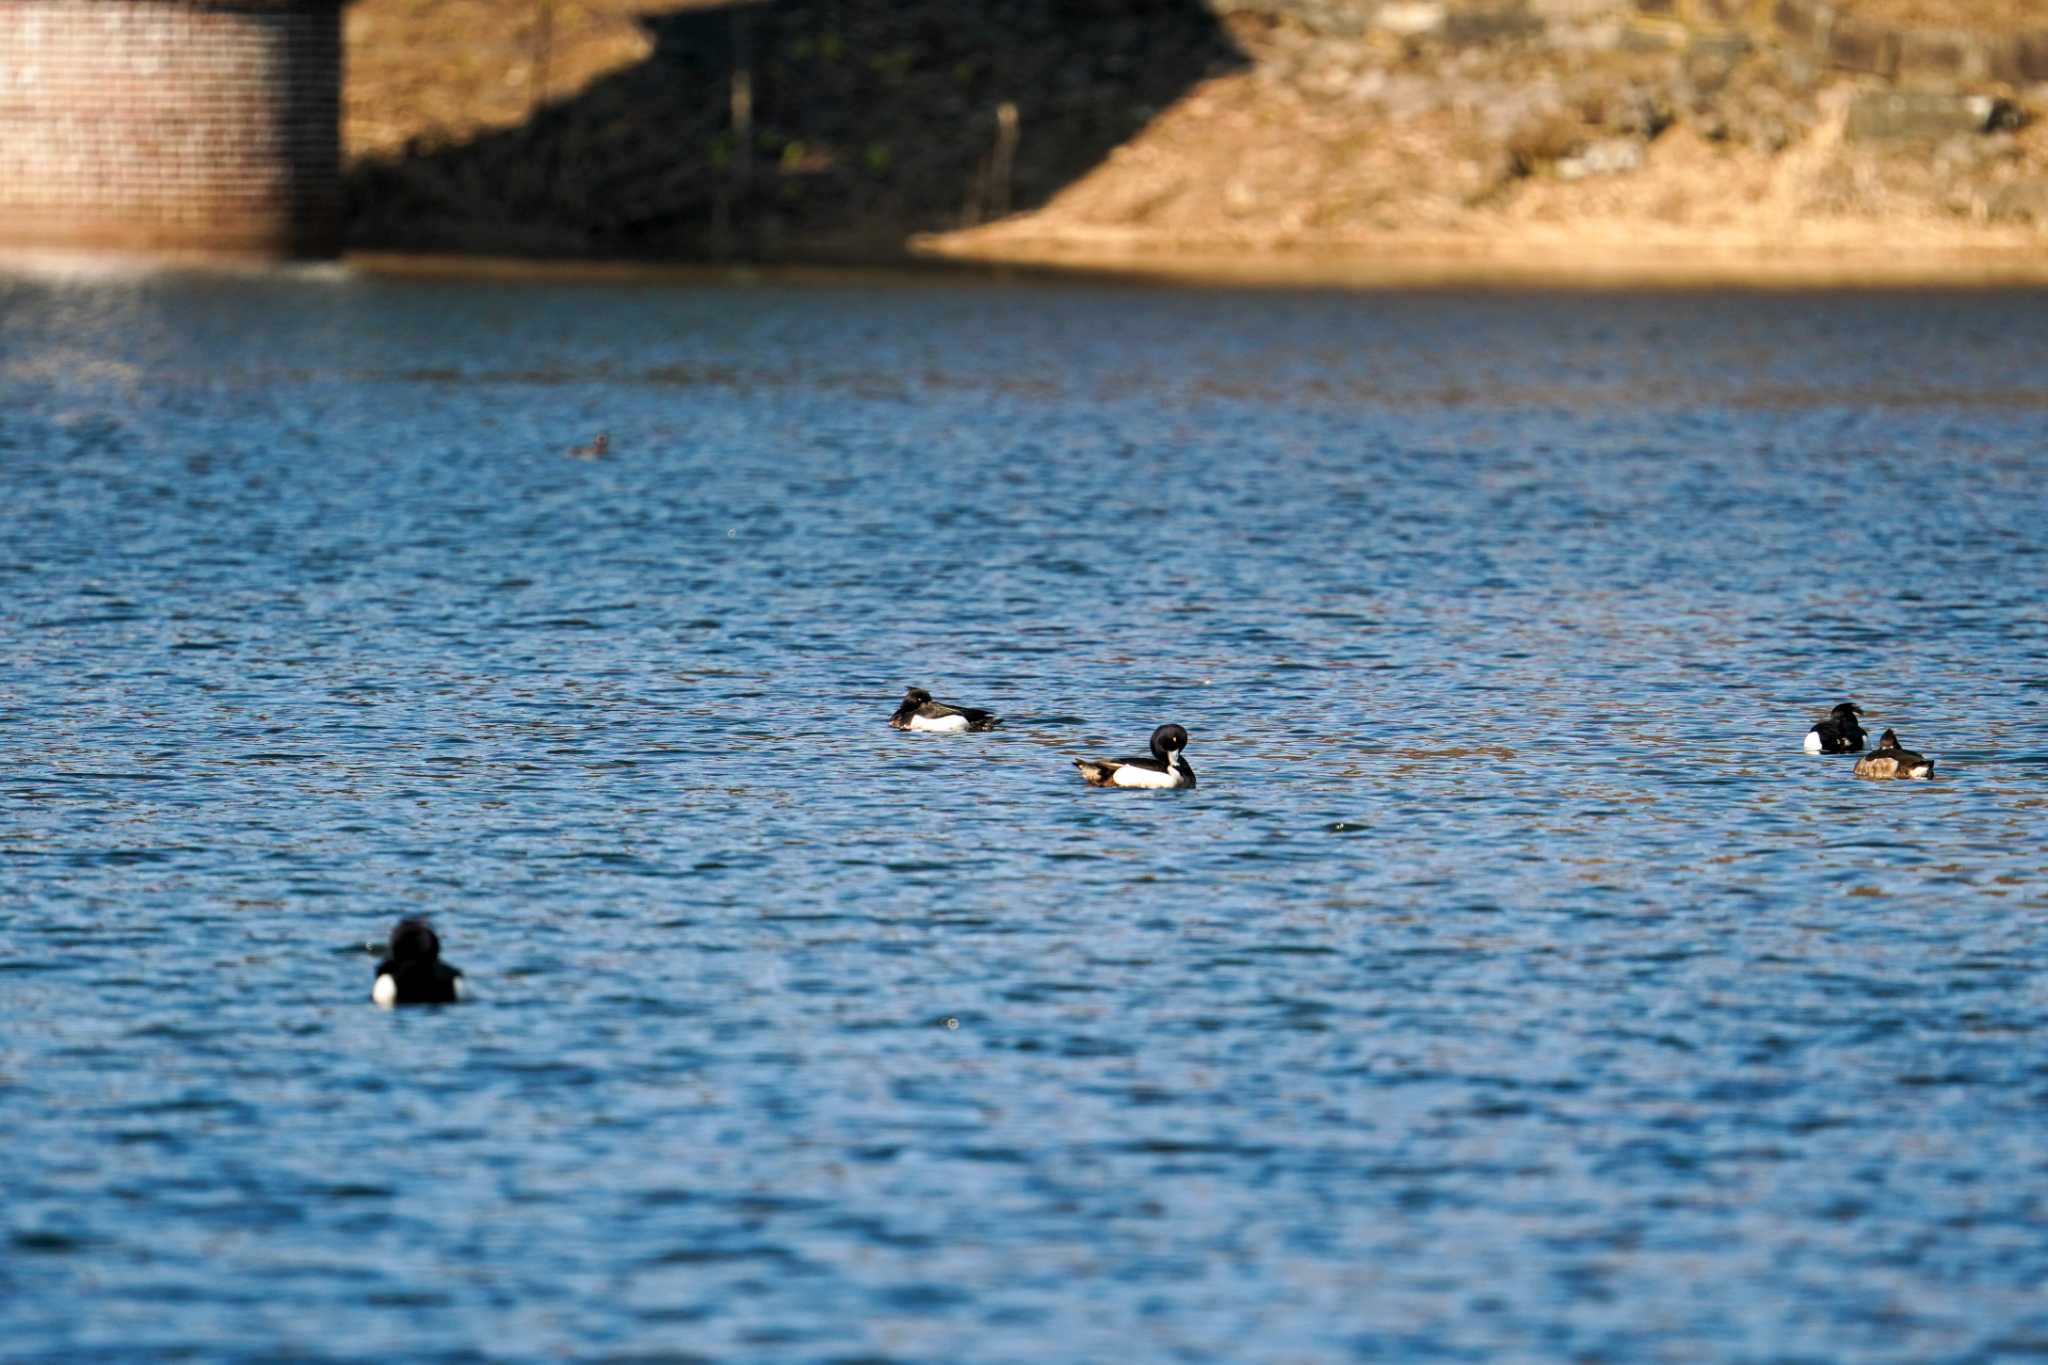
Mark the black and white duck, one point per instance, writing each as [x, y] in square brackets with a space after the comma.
[1164, 769]
[920, 712]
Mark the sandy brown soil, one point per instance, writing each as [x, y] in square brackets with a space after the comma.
[441, 70]
[1382, 166]
[1385, 197]
[1373, 162]
[444, 69]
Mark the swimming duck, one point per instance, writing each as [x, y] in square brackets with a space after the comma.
[920, 712]
[1889, 760]
[1166, 768]
[413, 972]
[1839, 733]
[599, 444]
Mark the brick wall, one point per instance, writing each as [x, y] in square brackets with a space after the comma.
[188, 124]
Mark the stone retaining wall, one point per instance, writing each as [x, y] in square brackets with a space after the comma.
[207, 125]
[1834, 34]
[1831, 31]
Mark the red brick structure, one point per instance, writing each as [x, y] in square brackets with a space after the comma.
[209, 125]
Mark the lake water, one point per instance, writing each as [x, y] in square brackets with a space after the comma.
[1512, 987]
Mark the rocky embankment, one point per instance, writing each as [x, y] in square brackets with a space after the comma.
[1624, 140]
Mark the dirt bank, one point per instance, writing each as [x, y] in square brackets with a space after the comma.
[1363, 142]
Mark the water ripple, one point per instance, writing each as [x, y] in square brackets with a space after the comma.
[1512, 987]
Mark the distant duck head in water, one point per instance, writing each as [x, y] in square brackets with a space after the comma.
[1163, 770]
[1890, 760]
[920, 712]
[596, 450]
[1839, 733]
[412, 972]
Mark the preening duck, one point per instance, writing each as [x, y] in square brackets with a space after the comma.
[1889, 760]
[1839, 733]
[920, 712]
[412, 973]
[1165, 768]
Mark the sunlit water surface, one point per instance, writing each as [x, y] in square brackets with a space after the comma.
[1511, 987]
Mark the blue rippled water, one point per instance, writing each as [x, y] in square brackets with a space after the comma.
[1512, 987]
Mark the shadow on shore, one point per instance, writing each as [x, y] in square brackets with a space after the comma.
[803, 129]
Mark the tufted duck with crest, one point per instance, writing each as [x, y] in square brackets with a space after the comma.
[412, 973]
[920, 712]
[1889, 760]
[1839, 733]
[1165, 768]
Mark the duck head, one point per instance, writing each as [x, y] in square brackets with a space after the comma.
[912, 699]
[1167, 741]
[414, 940]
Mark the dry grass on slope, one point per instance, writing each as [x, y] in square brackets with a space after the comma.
[446, 69]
